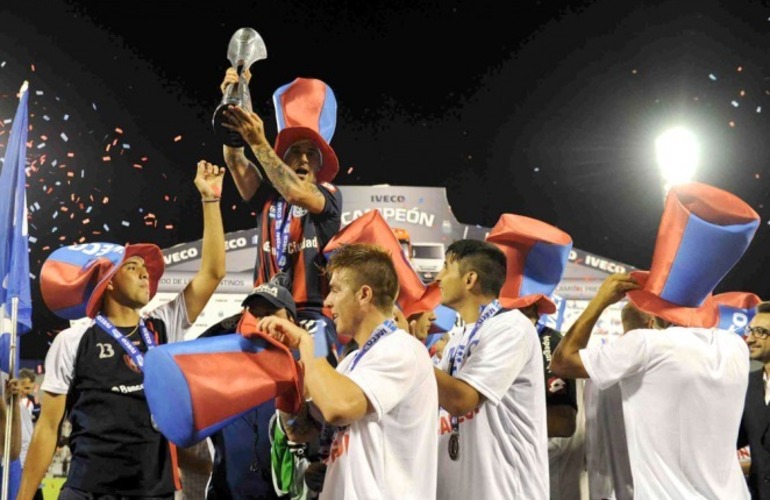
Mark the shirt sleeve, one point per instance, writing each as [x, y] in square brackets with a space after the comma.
[608, 363]
[327, 222]
[387, 372]
[503, 348]
[60, 360]
[174, 315]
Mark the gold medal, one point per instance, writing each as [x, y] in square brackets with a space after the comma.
[454, 446]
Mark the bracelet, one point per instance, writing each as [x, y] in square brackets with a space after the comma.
[210, 200]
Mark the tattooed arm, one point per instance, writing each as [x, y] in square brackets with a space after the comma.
[293, 189]
[302, 427]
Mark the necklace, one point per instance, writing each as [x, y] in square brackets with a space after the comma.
[134, 330]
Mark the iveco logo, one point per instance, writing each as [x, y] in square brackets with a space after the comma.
[388, 198]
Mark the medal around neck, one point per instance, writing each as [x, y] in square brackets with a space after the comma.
[454, 446]
[246, 47]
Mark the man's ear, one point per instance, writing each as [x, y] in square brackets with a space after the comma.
[365, 294]
[470, 278]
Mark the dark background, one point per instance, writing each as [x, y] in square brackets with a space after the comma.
[548, 109]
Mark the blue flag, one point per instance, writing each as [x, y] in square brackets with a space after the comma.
[14, 246]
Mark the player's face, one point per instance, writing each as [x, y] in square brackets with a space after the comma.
[304, 157]
[131, 283]
[342, 301]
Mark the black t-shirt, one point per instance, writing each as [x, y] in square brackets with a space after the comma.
[114, 447]
[558, 391]
[308, 235]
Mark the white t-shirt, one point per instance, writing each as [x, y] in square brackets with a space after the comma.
[504, 442]
[683, 391]
[609, 469]
[60, 360]
[390, 453]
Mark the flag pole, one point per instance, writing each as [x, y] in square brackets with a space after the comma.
[9, 410]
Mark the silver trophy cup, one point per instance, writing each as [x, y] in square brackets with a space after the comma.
[246, 47]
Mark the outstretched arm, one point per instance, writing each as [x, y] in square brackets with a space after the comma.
[200, 289]
[566, 361]
[245, 174]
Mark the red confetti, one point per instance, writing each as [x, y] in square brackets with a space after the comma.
[106, 158]
[118, 130]
[177, 138]
[105, 200]
[70, 155]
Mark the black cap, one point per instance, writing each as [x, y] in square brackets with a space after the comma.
[275, 293]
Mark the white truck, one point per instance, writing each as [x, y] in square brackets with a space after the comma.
[427, 259]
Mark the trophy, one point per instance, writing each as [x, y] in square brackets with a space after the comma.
[246, 47]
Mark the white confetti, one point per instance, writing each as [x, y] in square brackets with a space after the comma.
[106, 227]
[32, 239]
[735, 104]
[712, 77]
[46, 118]
[2, 65]
[64, 137]
[41, 145]
[759, 109]
[94, 105]
[39, 92]
[88, 210]
[125, 223]
[126, 146]
[55, 214]
[7, 121]
[66, 117]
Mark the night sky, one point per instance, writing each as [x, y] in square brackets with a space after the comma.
[551, 112]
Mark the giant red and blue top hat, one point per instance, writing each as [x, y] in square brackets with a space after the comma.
[536, 256]
[413, 296]
[196, 388]
[307, 109]
[703, 232]
[73, 278]
[736, 310]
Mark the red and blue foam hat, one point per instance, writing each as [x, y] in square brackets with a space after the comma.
[306, 109]
[536, 256]
[736, 310]
[413, 295]
[196, 388]
[703, 232]
[73, 278]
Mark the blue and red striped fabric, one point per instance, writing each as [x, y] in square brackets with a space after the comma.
[196, 388]
[703, 233]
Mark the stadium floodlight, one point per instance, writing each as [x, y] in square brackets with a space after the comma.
[678, 154]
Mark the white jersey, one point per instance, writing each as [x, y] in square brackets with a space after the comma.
[390, 453]
[682, 392]
[504, 442]
[609, 469]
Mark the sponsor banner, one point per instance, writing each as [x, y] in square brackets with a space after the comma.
[421, 215]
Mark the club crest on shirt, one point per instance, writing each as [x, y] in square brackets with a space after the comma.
[298, 211]
[556, 385]
[130, 364]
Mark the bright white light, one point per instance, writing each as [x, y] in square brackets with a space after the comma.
[678, 155]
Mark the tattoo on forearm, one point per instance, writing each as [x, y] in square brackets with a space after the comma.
[282, 177]
[299, 424]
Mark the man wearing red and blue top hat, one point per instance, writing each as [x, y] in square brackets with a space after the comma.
[298, 209]
[490, 384]
[94, 371]
[536, 254]
[682, 384]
